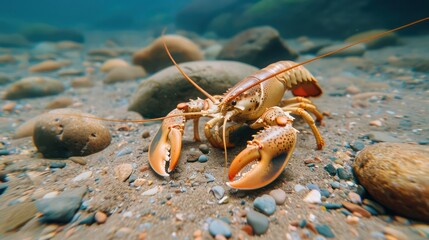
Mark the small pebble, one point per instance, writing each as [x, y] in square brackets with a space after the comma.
[279, 196]
[150, 192]
[258, 221]
[219, 227]
[356, 209]
[332, 205]
[82, 176]
[352, 219]
[209, 177]
[344, 174]
[376, 123]
[396, 234]
[330, 169]
[88, 220]
[357, 145]
[78, 160]
[202, 158]
[335, 184]
[325, 193]
[146, 134]
[123, 171]
[299, 188]
[204, 148]
[247, 229]
[325, 230]
[218, 192]
[313, 196]
[355, 198]
[313, 186]
[57, 165]
[265, 204]
[192, 156]
[124, 151]
[100, 217]
[379, 208]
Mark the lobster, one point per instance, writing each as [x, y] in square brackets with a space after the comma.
[256, 101]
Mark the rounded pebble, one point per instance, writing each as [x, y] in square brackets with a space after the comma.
[32, 87]
[325, 230]
[202, 158]
[258, 221]
[357, 145]
[204, 148]
[344, 174]
[265, 204]
[218, 192]
[100, 217]
[330, 169]
[219, 227]
[279, 196]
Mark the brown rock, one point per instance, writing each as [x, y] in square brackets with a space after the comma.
[34, 87]
[124, 73]
[123, 171]
[100, 217]
[60, 102]
[46, 66]
[154, 96]
[113, 63]
[259, 46]
[67, 132]
[356, 209]
[154, 57]
[82, 82]
[397, 176]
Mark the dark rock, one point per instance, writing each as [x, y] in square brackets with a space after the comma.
[397, 176]
[62, 208]
[202, 158]
[13, 40]
[47, 33]
[258, 221]
[330, 169]
[332, 205]
[57, 165]
[32, 87]
[344, 174]
[88, 220]
[3, 188]
[160, 93]
[258, 46]
[204, 148]
[57, 134]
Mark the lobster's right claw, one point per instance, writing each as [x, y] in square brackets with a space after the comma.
[263, 160]
[164, 150]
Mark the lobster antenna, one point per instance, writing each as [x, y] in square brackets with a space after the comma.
[367, 39]
[224, 144]
[183, 72]
[133, 121]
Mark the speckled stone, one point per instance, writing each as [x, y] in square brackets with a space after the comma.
[219, 227]
[397, 176]
[265, 204]
[258, 221]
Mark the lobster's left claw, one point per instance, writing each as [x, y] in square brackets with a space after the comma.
[165, 149]
[263, 160]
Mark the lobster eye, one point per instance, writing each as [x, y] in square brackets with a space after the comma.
[233, 103]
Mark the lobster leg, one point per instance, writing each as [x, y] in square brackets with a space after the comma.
[265, 157]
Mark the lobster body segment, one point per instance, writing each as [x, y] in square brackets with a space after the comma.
[259, 106]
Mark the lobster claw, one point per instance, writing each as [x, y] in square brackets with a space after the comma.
[164, 150]
[263, 160]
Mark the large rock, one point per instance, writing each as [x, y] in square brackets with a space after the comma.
[67, 132]
[154, 57]
[258, 46]
[397, 176]
[161, 92]
[32, 87]
[45, 32]
[324, 18]
[13, 40]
